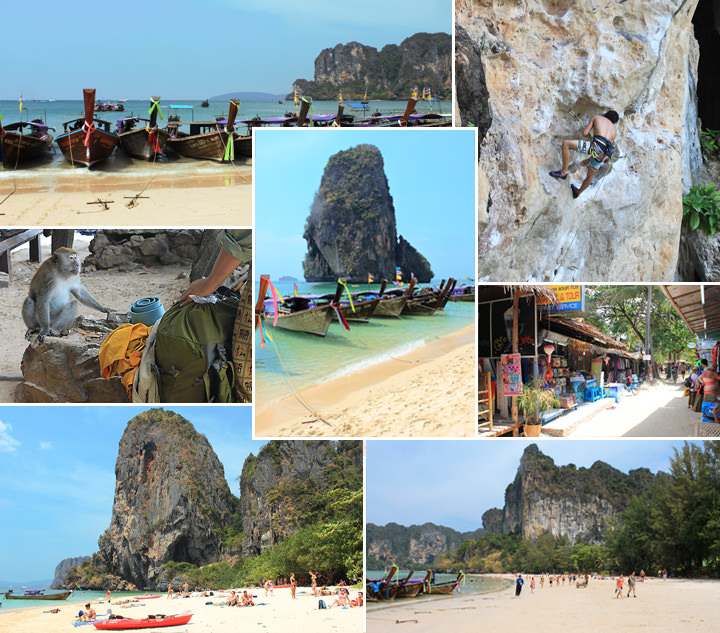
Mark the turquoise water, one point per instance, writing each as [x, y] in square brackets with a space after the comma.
[73, 603]
[297, 360]
[55, 113]
[471, 585]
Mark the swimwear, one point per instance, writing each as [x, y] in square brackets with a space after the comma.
[600, 149]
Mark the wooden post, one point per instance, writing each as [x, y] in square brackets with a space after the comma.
[515, 347]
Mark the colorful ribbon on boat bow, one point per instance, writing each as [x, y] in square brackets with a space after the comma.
[340, 316]
[347, 290]
[155, 106]
[229, 148]
[89, 130]
[276, 298]
[153, 138]
[263, 331]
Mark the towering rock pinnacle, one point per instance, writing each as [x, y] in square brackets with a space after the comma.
[351, 229]
[171, 499]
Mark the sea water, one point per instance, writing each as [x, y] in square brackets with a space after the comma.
[56, 112]
[470, 585]
[296, 360]
[74, 602]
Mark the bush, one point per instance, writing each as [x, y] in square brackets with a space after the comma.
[710, 142]
[701, 208]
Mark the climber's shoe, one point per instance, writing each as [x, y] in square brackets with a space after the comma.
[575, 190]
[558, 174]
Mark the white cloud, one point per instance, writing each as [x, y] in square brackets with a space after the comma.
[8, 444]
[44, 446]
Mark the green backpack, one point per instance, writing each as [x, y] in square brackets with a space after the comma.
[193, 351]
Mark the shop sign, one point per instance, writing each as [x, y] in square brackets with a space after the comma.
[511, 374]
[571, 298]
[647, 357]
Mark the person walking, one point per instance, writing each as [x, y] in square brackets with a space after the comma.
[518, 585]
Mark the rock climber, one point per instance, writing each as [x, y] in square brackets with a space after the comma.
[600, 148]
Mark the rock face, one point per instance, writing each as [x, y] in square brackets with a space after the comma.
[171, 499]
[128, 249]
[64, 566]
[272, 483]
[542, 59]
[414, 545]
[67, 369]
[567, 501]
[422, 60]
[351, 228]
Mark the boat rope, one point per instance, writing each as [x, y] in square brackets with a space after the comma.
[303, 402]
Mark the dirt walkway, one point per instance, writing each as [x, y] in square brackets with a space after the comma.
[657, 411]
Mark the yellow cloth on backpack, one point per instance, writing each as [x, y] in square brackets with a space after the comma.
[121, 352]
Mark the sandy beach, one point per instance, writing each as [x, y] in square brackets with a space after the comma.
[428, 392]
[661, 605]
[62, 200]
[276, 614]
[110, 287]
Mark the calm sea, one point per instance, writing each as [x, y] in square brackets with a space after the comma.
[73, 603]
[297, 360]
[470, 585]
[56, 112]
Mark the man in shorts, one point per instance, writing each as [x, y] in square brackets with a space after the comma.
[600, 149]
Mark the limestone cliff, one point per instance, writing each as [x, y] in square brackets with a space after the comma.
[414, 545]
[567, 501]
[171, 499]
[542, 59]
[63, 567]
[422, 60]
[281, 486]
[351, 229]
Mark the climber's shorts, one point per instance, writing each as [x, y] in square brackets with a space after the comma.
[597, 156]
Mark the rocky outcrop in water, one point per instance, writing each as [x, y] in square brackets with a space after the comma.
[171, 500]
[544, 58]
[567, 501]
[351, 229]
[63, 567]
[275, 484]
[420, 61]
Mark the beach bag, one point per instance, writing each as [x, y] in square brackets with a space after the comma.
[192, 350]
[688, 382]
[321, 604]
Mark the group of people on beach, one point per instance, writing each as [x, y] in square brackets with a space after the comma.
[579, 580]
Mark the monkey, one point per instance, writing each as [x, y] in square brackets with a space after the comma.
[48, 309]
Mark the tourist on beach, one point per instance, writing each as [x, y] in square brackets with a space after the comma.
[619, 586]
[532, 584]
[358, 602]
[293, 586]
[88, 615]
[600, 149]
[342, 599]
[268, 587]
[186, 588]
[246, 600]
[518, 585]
[631, 585]
[170, 592]
[233, 600]
[710, 380]
[642, 575]
[108, 595]
[542, 581]
[313, 583]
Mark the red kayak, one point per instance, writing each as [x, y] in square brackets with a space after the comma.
[124, 624]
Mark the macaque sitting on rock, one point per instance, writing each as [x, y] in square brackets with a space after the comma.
[49, 309]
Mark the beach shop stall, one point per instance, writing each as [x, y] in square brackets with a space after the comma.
[565, 355]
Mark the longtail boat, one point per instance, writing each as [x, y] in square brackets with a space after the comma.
[127, 624]
[37, 595]
[393, 301]
[140, 137]
[23, 141]
[87, 140]
[429, 301]
[211, 140]
[409, 588]
[363, 304]
[382, 589]
[463, 293]
[441, 588]
[303, 313]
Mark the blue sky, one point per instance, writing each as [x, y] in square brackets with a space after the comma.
[57, 476]
[453, 483]
[431, 175]
[187, 49]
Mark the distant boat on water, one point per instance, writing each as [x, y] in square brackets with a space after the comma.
[38, 594]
